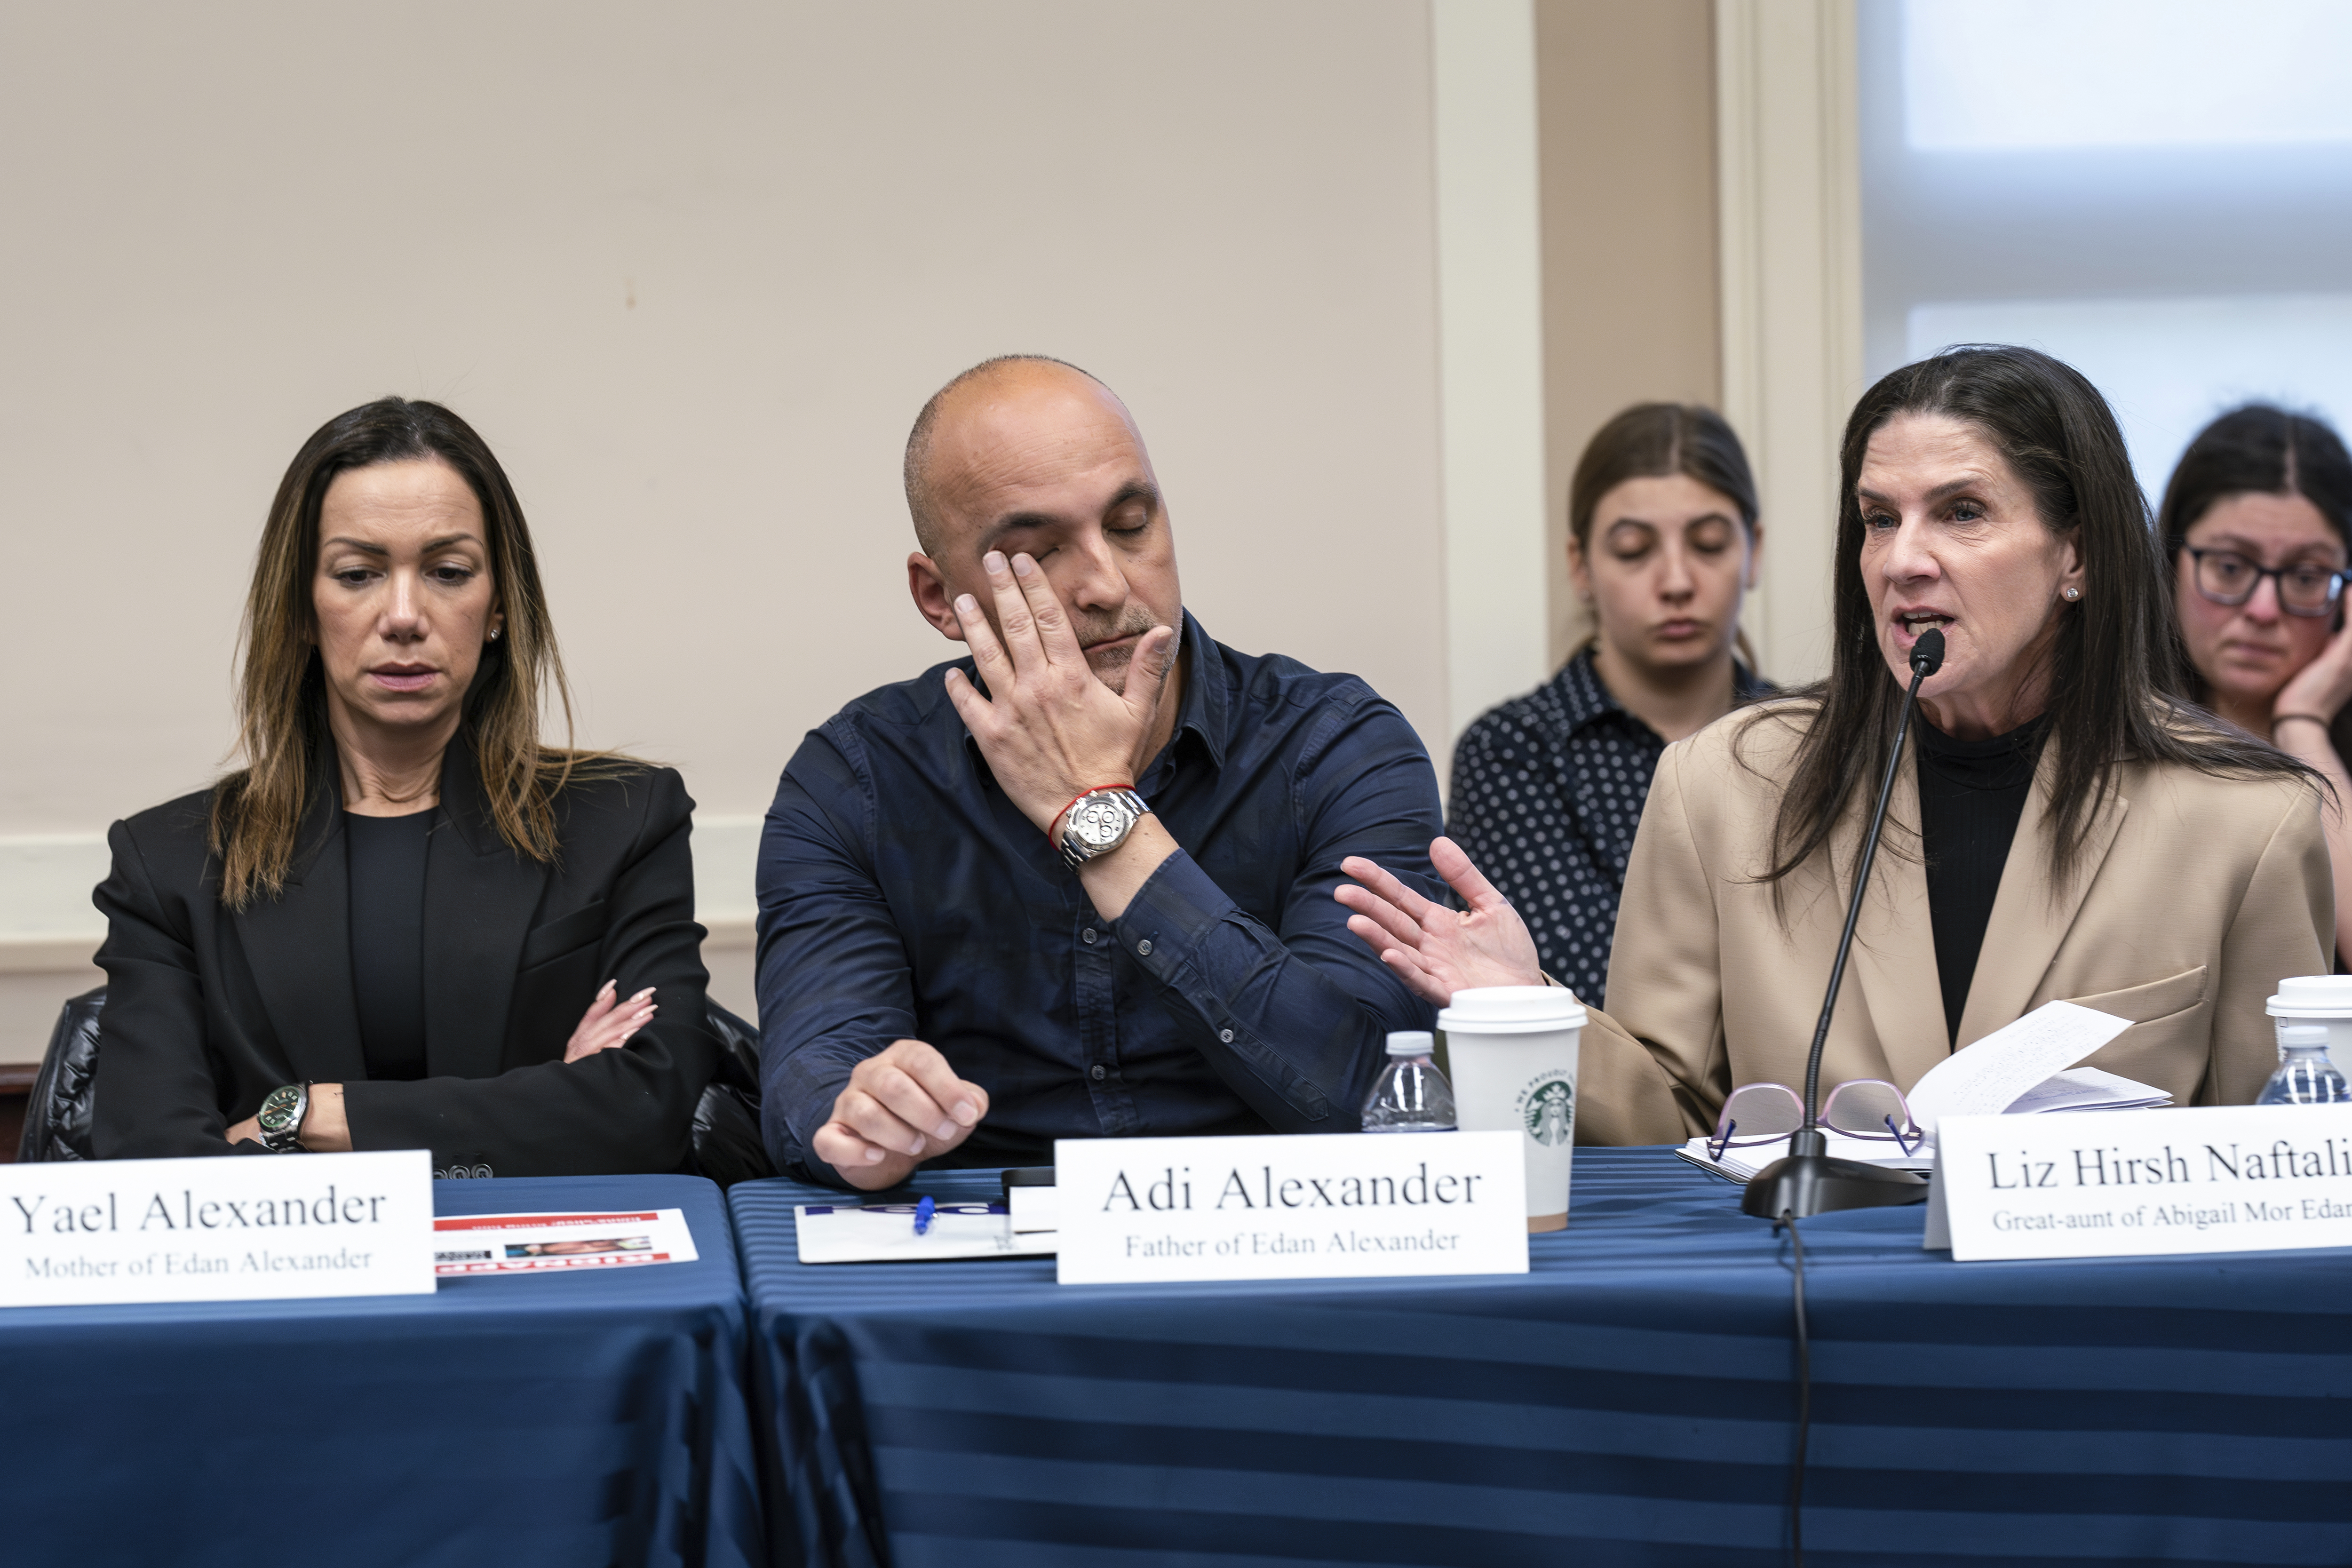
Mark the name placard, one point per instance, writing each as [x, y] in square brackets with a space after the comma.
[2115, 1184]
[1290, 1207]
[228, 1229]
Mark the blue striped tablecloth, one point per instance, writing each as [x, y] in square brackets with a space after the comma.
[581, 1419]
[1628, 1401]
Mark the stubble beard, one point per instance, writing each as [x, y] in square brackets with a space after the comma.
[1112, 666]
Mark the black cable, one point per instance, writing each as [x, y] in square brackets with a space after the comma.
[1804, 1399]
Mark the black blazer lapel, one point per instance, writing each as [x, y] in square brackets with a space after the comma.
[479, 897]
[299, 945]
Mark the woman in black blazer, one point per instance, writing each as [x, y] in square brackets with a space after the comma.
[381, 932]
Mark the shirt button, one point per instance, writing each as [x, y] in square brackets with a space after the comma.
[1087, 936]
[1096, 1073]
[1144, 947]
[1226, 1036]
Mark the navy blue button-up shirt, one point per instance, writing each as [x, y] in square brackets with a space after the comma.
[903, 896]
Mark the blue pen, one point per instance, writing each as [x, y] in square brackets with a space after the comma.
[923, 1212]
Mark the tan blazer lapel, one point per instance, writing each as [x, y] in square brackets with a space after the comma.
[2030, 917]
[1894, 945]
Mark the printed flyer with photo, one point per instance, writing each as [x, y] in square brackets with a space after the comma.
[559, 1243]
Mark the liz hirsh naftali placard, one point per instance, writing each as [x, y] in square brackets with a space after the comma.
[2116, 1184]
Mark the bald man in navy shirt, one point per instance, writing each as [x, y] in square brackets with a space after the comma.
[1079, 883]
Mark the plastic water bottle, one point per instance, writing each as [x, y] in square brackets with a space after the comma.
[1413, 1096]
[2304, 1075]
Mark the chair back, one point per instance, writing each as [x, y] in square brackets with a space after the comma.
[56, 1112]
[727, 1147]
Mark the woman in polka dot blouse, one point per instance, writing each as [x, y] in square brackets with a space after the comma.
[1548, 788]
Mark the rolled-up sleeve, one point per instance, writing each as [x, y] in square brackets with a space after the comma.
[1295, 1020]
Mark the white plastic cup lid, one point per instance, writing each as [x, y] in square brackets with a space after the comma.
[1512, 1010]
[1411, 1043]
[2313, 996]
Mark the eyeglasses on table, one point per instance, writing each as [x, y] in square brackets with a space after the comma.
[1858, 1108]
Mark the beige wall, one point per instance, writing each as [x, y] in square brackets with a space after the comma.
[691, 269]
[1631, 311]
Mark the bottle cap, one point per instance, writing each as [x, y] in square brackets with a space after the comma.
[2292, 1035]
[1512, 1010]
[1411, 1043]
[2313, 996]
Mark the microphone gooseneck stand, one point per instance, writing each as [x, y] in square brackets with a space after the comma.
[1808, 1181]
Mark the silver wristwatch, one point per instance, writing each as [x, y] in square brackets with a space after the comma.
[1099, 823]
[280, 1118]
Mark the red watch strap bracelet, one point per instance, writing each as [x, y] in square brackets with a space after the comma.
[1056, 820]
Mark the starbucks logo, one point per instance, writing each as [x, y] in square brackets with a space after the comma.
[1550, 1113]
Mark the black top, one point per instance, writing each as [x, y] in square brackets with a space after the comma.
[387, 871]
[1972, 794]
[1548, 796]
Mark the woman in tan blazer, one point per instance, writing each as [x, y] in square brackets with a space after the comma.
[2068, 828]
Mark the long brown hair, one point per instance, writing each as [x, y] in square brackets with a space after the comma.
[2116, 687]
[282, 709]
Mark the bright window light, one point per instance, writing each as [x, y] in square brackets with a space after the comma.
[1984, 76]
[2168, 367]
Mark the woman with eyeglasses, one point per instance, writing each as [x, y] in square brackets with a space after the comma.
[2257, 521]
[2062, 826]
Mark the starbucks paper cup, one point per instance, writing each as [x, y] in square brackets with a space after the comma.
[1511, 1055]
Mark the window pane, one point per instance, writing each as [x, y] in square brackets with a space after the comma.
[1987, 75]
[2167, 367]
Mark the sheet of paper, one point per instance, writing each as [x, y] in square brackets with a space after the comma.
[885, 1233]
[2087, 1088]
[1987, 1077]
[559, 1243]
[1743, 1162]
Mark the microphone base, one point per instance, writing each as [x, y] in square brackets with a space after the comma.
[1811, 1184]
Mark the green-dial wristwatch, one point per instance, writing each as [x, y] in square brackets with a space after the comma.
[280, 1118]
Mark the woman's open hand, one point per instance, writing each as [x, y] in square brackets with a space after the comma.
[608, 1024]
[1440, 951]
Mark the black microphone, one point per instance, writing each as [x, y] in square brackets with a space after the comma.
[1808, 1182]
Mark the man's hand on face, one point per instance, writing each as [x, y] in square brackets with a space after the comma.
[903, 1105]
[1048, 727]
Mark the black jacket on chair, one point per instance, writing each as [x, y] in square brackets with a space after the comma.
[209, 1009]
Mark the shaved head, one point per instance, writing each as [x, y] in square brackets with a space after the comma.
[1030, 455]
[1002, 374]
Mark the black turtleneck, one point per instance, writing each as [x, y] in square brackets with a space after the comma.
[1971, 794]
